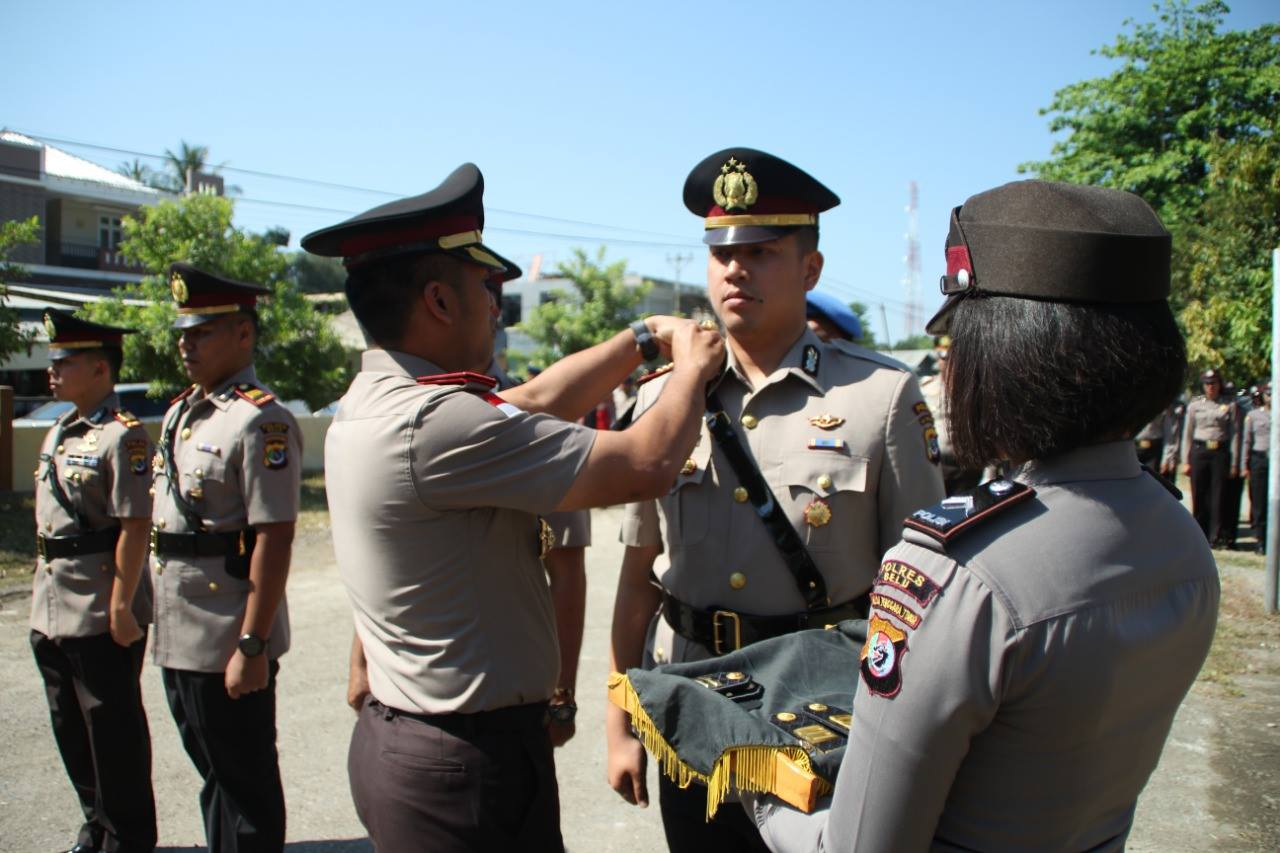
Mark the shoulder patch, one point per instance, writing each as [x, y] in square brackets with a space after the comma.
[136, 448]
[460, 377]
[661, 371]
[881, 659]
[127, 419]
[948, 520]
[254, 394]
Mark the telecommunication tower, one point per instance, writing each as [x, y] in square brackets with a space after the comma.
[911, 281]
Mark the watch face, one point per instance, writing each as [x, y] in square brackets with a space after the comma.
[562, 713]
[251, 646]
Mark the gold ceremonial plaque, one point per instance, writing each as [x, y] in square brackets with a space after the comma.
[735, 189]
[178, 287]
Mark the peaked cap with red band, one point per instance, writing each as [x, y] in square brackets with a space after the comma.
[69, 334]
[748, 196]
[1055, 242]
[449, 218]
[202, 296]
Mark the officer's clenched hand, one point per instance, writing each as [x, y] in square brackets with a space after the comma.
[693, 346]
[124, 627]
[245, 675]
[627, 768]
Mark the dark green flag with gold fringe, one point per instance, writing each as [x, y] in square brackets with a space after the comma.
[772, 717]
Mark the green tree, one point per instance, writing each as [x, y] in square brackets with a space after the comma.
[915, 342]
[601, 306]
[863, 313]
[316, 274]
[1188, 106]
[188, 157]
[299, 355]
[14, 233]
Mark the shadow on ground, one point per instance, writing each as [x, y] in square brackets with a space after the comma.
[340, 845]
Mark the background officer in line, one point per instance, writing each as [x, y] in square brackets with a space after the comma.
[435, 487]
[830, 318]
[1028, 647]
[1210, 455]
[90, 602]
[227, 477]
[1157, 442]
[839, 433]
[1255, 453]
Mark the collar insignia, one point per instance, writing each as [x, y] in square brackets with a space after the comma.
[826, 421]
[810, 363]
[735, 189]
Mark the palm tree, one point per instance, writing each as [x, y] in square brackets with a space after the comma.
[137, 171]
[194, 158]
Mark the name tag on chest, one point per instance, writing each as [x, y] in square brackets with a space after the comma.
[83, 460]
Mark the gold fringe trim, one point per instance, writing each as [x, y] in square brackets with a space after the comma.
[740, 768]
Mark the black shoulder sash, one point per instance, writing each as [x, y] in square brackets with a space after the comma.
[55, 486]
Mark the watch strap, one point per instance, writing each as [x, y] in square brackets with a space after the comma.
[645, 340]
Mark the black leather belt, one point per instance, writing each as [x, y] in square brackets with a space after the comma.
[511, 718]
[1208, 445]
[725, 631]
[233, 542]
[97, 542]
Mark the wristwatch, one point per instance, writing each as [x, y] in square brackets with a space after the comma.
[645, 341]
[562, 709]
[251, 645]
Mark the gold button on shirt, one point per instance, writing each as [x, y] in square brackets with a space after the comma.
[737, 580]
[750, 421]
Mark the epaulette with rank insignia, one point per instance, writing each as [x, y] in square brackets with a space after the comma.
[946, 521]
[127, 419]
[186, 392]
[459, 377]
[661, 371]
[254, 394]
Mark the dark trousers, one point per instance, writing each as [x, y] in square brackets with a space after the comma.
[1210, 470]
[1150, 457]
[684, 820]
[1259, 471]
[232, 743]
[95, 704]
[455, 782]
[1232, 492]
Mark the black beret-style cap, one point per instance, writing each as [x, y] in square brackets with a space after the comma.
[449, 218]
[69, 334]
[1055, 242]
[749, 196]
[203, 296]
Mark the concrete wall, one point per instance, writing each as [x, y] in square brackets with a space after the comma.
[27, 441]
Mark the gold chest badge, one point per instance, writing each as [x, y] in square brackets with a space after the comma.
[817, 513]
[826, 421]
[735, 189]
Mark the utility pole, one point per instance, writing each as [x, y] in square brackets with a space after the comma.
[1270, 585]
[678, 261]
[911, 280]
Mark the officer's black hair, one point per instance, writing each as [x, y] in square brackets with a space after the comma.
[1029, 379]
[807, 239]
[381, 293]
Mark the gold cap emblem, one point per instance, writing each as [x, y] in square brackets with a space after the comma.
[735, 189]
[178, 287]
[817, 513]
[50, 329]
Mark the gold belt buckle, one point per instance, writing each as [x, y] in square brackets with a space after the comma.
[1145, 444]
[40, 547]
[717, 645]
[1212, 445]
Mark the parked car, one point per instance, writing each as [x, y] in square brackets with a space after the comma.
[133, 399]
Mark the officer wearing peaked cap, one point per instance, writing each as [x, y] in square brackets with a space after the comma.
[90, 599]
[1210, 454]
[227, 477]
[1030, 641]
[436, 483]
[812, 454]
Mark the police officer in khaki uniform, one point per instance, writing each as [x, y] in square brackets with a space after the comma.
[1255, 453]
[90, 602]
[1158, 442]
[435, 485]
[227, 476]
[1031, 640]
[839, 434]
[1211, 455]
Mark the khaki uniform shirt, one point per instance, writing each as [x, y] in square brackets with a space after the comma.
[1257, 432]
[1211, 421]
[102, 463]
[434, 494]
[1017, 686]
[1165, 428]
[238, 465]
[883, 466]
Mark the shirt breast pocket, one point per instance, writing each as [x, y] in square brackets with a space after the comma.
[823, 490]
[686, 507]
[204, 477]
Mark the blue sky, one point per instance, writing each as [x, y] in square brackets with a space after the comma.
[584, 117]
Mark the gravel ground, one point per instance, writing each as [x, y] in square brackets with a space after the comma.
[1218, 784]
